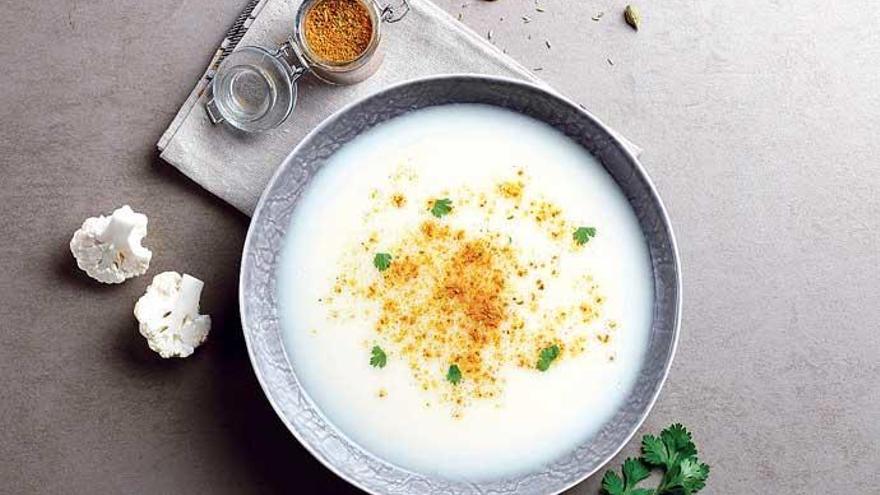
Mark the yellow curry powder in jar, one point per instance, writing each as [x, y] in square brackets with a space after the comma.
[338, 31]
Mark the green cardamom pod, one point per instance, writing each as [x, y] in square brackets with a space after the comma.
[632, 16]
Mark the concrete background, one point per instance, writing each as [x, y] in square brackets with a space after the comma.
[761, 125]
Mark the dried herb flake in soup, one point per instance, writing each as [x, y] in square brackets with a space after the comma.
[338, 31]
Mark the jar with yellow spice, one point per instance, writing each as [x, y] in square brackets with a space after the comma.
[337, 41]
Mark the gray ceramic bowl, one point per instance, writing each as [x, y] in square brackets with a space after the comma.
[259, 304]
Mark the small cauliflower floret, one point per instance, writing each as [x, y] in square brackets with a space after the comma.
[169, 317]
[109, 249]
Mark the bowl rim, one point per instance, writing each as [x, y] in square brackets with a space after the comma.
[472, 77]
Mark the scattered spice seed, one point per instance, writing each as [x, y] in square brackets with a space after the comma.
[489, 34]
[598, 16]
[539, 9]
[632, 16]
[538, 69]
[459, 16]
[610, 62]
[547, 42]
[526, 19]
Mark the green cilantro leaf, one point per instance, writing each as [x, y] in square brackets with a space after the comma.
[441, 207]
[653, 451]
[685, 478]
[382, 261]
[672, 482]
[673, 446]
[674, 453]
[583, 235]
[678, 440]
[547, 356]
[634, 471]
[612, 483]
[378, 358]
[453, 376]
[693, 475]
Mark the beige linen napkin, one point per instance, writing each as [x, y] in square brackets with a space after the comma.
[237, 167]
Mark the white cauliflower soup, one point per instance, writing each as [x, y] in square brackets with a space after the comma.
[464, 291]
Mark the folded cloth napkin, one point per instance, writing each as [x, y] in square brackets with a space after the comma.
[237, 167]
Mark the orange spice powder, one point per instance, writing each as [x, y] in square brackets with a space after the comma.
[446, 298]
[338, 31]
[471, 298]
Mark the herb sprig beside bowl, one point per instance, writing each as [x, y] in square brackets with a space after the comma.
[674, 453]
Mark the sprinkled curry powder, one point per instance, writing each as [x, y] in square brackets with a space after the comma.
[471, 298]
[447, 298]
[338, 31]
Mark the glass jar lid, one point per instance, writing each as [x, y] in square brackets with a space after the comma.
[253, 90]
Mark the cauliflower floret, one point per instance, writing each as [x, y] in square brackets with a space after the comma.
[109, 249]
[169, 317]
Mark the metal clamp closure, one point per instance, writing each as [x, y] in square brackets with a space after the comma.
[290, 55]
[395, 11]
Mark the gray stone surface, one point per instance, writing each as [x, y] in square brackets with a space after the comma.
[760, 120]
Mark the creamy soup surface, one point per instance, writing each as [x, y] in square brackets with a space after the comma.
[465, 292]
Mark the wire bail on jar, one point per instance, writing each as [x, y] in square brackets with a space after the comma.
[255, 90]
[394, 12]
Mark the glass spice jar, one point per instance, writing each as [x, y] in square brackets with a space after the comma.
[338, 41]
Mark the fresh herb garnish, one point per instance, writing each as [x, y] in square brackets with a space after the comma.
[547, 356]
[453, 376]
[674, 453]
[583, 235]
[382, 261]
[634, 471]
[441, 207]
[378, 358]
